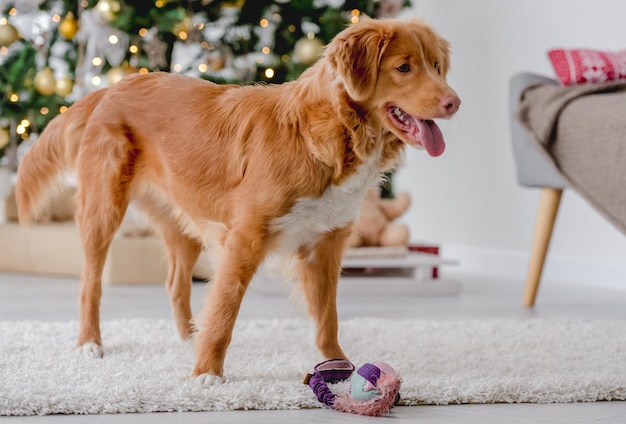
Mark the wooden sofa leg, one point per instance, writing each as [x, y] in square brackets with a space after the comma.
[546, 216]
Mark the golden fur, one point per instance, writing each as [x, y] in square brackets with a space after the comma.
[245, 167]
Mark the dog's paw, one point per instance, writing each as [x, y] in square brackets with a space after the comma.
[90, 350]
[207, 380]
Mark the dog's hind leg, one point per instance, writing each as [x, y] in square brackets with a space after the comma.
[320, 266]
[183, 252]
[102, 200]
[244, 247]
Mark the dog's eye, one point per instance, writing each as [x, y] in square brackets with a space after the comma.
[436, 65]
[404, 67]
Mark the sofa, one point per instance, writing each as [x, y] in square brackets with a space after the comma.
[568, 137]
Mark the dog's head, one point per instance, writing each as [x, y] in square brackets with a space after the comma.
[397, 70]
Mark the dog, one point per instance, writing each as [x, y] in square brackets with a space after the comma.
[257, 169]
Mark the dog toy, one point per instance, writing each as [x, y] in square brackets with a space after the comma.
[375, 388]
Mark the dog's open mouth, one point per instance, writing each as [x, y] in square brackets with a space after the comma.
[422, 132]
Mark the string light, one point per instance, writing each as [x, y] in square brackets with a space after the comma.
[96, 80]
[355, 16]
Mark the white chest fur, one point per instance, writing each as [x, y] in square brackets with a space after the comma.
[338, 205]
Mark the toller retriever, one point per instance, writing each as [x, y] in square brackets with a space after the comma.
[254, 169]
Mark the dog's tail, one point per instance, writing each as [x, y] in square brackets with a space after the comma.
[55, 152]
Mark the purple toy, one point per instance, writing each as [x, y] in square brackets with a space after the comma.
[374, 387]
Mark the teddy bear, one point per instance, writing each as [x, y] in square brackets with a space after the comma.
[374, 225]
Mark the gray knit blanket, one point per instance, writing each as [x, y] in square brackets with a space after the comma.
[582, 129]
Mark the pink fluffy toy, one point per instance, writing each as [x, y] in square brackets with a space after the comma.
[375, 388]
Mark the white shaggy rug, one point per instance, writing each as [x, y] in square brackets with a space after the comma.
[146, 367]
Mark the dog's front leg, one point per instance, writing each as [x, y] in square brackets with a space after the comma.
[320, 266]
[244, 249]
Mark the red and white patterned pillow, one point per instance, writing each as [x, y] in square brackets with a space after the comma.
[580, 66]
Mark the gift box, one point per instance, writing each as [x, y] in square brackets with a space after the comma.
[429, 248]
[56, 249]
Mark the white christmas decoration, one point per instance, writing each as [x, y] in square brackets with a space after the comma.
[96, 34]
[330, 3]
[24, 6]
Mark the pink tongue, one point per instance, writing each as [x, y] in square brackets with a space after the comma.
[429, 134]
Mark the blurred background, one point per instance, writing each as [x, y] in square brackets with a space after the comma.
[468, 199]
[52, 52]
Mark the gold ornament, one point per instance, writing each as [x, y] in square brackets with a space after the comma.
[8, 34]
[64, 86]
[68, 26]
[116, 74]
[109, 9]
[44, 81]
[5, 137]
[308, 49]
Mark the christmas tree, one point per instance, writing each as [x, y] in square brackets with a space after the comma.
[53, 52]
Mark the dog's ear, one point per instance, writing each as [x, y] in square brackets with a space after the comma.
[444, 48]
[355, 54]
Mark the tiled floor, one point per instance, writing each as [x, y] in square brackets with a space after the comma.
[28, 297]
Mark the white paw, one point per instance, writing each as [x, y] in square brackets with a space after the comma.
[91, 350]
[207, 380]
